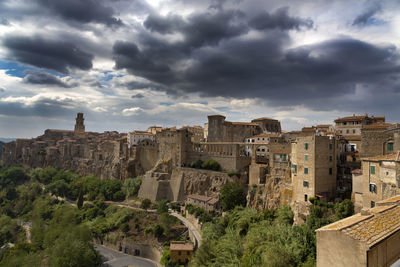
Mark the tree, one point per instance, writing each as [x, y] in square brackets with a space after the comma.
[145, 203]
[344, 209]
[158, 231]
[285, 215]
[131, 186]
[79, 203]
[162, 206]
[109, 187]
[232, 195]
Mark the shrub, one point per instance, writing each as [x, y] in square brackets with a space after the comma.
[211, 165]
[232, 195]
[145, 203]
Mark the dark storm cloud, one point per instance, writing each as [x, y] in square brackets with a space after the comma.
[4, 21]
[199, 29]
[44, 78]
[262, 67]
[138, 96]
[279, 19]
[367, 15]
[51, 54]
[43, 107]
[83, 11]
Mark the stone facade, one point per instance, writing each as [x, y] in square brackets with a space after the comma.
[352, 125]
[314, 161]
[379, 178]
[220, 130]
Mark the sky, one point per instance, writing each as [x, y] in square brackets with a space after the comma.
[130, 64]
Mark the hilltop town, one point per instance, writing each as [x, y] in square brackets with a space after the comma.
[357, 158]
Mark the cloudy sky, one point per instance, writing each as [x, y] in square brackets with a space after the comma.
[128, 64]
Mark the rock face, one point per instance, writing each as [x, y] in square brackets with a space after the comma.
[269, 196]
[168, 182]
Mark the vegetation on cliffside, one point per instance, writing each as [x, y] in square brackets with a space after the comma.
[245, 237]
[38, 228]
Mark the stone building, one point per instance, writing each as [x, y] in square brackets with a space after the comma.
[197, 133]
[370, 238]
[135, 137]
[352, 125]
[379, 139]
[105, 155]
[378, 179]
[313, 164]
[181, 251]
[79, 126]
[204, 202]
[269, 158]
[220, 130]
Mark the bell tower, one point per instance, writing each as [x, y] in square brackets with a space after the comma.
[79, 125]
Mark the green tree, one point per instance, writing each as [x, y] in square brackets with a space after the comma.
[232, 195]
[145, 203]
[344, 209]
[158, 231]
[131, 187]
[162, 206]
[79, 203]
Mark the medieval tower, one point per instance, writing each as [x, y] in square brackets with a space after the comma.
[79, 125]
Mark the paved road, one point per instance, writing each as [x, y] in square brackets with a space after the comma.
[114, 258]
[196, 233]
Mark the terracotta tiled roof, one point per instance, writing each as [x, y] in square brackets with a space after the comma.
[264, 118]
[389, 157]
[357, 171]
[351, 118]
[384, 222]
[383, 125]
[178, 245]
[243, 123]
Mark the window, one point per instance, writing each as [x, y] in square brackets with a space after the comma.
[372, 169]
[372, 188]
[354, 131]
[330, 171]
[305, 170]
[284, 157]
[294, 167]
[372, 204]
[306, 146]
[179, 252]
[306, 183]
[347, 131]
[305, 198]
[306, 157]
[330, 158]
[389, 146]
[330, 146]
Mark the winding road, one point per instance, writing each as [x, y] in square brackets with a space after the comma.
[113, 258]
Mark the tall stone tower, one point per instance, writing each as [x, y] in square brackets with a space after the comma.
[79, 126]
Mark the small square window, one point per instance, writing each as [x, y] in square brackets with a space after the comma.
[330, 158]
[372, 188]
[305, 170]
[306, 184]
[372, 204]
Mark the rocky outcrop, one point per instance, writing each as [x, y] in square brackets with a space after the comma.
[270, 195]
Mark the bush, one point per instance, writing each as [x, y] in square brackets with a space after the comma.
[145, 203]
[232, 195]
[162, 206]
[158, 231]
[118, 196]
[211, 165]
[232, 173]
[196, 164]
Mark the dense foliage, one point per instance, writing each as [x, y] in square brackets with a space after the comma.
[60, 234]
[245, 237]
[232, 195]
[210, 164]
